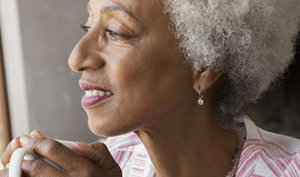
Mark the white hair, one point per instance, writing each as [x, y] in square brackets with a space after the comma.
[251, 40]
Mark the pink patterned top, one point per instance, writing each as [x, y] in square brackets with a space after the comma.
[264, 154]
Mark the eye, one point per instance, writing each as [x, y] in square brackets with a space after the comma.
[85, 28]
[113, 35]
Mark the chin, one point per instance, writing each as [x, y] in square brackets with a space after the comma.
[107, 126]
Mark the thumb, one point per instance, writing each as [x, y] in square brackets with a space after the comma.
[97, 153]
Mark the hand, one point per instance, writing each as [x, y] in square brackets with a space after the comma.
[86, 160]
[13, 145]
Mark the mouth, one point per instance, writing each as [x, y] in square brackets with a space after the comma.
[93, 94]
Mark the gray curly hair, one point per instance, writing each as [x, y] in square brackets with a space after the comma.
[254, 36]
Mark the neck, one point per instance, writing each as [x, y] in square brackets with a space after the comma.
[189, 145]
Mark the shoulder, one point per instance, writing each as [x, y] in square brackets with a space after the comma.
[131, 155]
[268, 154]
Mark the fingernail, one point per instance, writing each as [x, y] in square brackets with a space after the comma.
[29, 157]
[25, 139]
[76, 146]
[13, 143]
[79, 146]
[33, 132]
[36, 133]
[7, 165]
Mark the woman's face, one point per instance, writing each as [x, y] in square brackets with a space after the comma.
[129, 51]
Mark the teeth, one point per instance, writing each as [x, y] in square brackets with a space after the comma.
[101, 93]
[91, 93]
[95, 93]
[88, 93]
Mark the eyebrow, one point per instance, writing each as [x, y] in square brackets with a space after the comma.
[116, 8]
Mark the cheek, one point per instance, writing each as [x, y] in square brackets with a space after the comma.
[149, 80]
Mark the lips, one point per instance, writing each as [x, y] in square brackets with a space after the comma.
[93, 94]
[84, 85]
[87, 102]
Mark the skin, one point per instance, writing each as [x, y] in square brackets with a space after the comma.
[155, 92]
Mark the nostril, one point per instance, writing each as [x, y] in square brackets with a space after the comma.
[80, 69]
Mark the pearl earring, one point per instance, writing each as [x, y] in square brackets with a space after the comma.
[200, 101]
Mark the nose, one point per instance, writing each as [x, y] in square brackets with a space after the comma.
[86, 55]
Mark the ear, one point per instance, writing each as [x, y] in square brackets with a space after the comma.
[205, 79]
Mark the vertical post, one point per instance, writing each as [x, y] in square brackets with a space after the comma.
[3, 103]
[13, 60]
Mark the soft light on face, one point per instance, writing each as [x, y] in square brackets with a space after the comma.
[129, 51]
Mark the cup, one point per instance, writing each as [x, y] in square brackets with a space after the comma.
[15, 165]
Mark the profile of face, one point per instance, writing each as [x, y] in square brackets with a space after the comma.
[129, 50]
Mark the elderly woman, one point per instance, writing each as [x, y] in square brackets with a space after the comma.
[168, 82]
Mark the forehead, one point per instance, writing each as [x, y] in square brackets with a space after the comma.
[137, 7]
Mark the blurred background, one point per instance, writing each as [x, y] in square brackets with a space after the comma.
[39, 91]
[279, 108]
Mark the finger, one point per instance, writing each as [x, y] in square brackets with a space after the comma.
[97, 153]
[36, 133]
[38, 168]
[102, 156]
[12, 146]
[55, 151]
[82, 149]
[4, 173]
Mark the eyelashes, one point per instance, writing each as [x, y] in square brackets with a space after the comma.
[113, 35]
[85, 28]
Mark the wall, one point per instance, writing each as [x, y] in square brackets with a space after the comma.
[49, 30]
